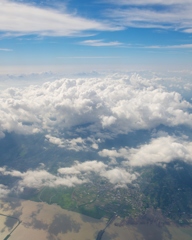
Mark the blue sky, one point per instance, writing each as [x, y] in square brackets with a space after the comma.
[95, 35]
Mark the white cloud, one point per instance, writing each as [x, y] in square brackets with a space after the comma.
[174, 14]
[112, 154]
[181, 46]
[189, 30]
[118, 104]
[91, 57]
[115, 175]
[95, 146]
[100, 43]
[149, 2]
[4, 191]
[120, 176]
[162, 149]
[107, 120]
[41, 178]
[6, 49]
[76, 144]
[22, 19]
[85, 167]
[55, 140]
[78, 173]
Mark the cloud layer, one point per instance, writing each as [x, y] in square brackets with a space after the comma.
[116, 104]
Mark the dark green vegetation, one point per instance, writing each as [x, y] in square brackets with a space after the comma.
[96, 199]
[169, 189]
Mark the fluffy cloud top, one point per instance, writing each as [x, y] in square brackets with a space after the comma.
[163, 149]
[76, 144]
[78, 173]
[87, 167]
[3, 191]
[115, 175]
[41, 178]
[118, 105]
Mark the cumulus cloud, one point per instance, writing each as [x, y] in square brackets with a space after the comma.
[116, 104]
[107, 120]
[88, 167]
[114, 175]
[4, 191]
[76, 144]
[120, 176]
[41, 178]
[55, 140]
[95, 146]
[78, 173]
[162, 149]
[112, 154]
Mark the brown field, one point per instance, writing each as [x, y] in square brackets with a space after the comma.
[50, 222]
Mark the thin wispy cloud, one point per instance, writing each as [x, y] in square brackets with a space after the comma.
[92, 27]
[148, 2]
[181, 46]
[100, 43]
[22, 19]
[89, 57]
[6, 49]
[147, 14]
[189, 30]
